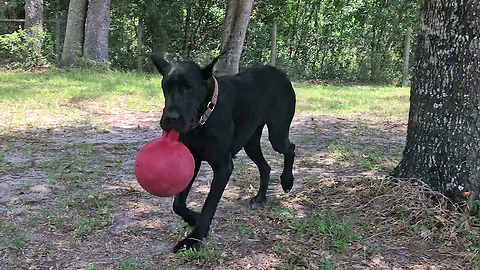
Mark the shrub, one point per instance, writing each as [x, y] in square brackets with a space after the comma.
[23, 49]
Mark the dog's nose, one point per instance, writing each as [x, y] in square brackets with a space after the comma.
[172, 116]
[171, 119]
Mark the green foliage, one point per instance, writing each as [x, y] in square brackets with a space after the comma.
[334, 40]
[358, 40]
[21, 46]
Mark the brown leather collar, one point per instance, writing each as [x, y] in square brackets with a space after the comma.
[211, 105]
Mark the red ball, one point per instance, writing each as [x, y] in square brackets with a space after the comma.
[164, 167]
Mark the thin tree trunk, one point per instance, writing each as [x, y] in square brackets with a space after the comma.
[406, 57]
[58, 48]
[234, 30]
[96, 34]
[74, 33]
[294, 29]
[273, 49]
[443, 137]
[140, 45]
[186, 42]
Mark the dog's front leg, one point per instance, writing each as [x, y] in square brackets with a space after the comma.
[180, 205]
[221, 173]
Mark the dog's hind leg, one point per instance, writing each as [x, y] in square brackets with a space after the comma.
[180, 205]
[283, 145]
[278, 124]
[254, 152]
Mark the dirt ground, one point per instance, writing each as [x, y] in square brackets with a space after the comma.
[69, 200]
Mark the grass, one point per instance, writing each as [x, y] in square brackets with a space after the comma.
[37, 99]
[29, 100]
[11, 238]
[79, 204]
[347, 101]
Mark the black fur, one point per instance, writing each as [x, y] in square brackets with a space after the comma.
[248, 101]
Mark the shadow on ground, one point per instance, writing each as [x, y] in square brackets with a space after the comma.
[69, 200]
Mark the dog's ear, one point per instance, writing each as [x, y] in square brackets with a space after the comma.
[161, 64]
[208, 70]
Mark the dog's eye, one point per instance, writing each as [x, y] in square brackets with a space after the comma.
[183, 88]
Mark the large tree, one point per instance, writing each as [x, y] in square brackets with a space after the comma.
[96, 34]
[234, 30]
[74, 34]
[443, 137]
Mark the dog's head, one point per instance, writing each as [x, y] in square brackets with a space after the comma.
[185, 88]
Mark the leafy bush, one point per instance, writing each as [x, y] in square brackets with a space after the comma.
[23, 48]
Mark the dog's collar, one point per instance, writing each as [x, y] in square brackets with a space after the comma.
[211, 104]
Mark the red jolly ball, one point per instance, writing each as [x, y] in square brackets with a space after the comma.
[164, 167]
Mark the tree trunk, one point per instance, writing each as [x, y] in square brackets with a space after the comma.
[186, 36]
[273, 49]
[33, 15]
[96, 34]
[234, 30]
[74, 33]
[443, 137]
[406, 58]
[34, 22]
[140, 52]
[57, 37]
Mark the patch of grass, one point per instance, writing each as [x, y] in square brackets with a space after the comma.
[337, 234]
[35, 100]
[361, 154]
[363, 101]
[56, 97]
[132, 265]
[11, 238]
[75, 166]
[209, 255]
[325, 264]
[80, 215]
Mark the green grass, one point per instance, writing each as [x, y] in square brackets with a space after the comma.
[32, 100]
[11, 238]
[208, 255]
[363, 101]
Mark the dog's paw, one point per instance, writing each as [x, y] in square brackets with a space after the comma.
[188, 243]
[287, 182]
[258, 201]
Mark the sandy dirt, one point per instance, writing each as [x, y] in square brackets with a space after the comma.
[69, 200]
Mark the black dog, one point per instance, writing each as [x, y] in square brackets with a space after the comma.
[216, 118]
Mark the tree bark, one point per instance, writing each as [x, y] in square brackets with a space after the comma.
[33, 15]
[406, 58]
[57, 37]
[234, 30]
[34, 21]
[186, 36]
[443, 137]
[96, 34]
[74, 33]
[140, 52]
[273, 49]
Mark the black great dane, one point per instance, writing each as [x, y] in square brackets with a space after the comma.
[216, 118]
